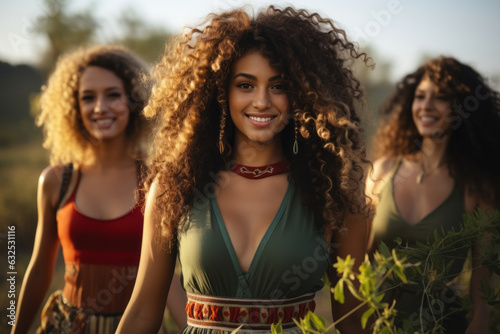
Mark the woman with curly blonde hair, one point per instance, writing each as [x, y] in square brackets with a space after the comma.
[258, 168]
[437, 158]
[91, 115]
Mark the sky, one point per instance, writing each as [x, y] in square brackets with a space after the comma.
[400, 32]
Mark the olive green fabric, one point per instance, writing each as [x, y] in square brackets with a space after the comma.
[388, 224]
[289, 262]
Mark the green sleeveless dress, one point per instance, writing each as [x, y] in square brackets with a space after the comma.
[289, 262]
[388, 224]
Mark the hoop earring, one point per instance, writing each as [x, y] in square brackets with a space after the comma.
[295, 142]
[222, 129]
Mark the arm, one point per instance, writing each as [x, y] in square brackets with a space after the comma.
[176, 302]
[354, 242]
[144, 312]
[375, 181]
[41, 267]
[481, 310]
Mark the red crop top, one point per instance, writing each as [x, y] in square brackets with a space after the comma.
[102, 242]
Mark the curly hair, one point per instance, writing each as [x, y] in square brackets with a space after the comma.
[65, 136]
[472, 151]
[190, 96]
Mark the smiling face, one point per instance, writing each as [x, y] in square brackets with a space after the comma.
[103, 103]
[258, 101]
[430, 109]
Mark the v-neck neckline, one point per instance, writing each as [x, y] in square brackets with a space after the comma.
[262, 244]
[393, 194]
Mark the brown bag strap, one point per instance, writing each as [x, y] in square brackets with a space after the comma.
[66, 178]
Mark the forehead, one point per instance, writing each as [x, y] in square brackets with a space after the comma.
[427, 84]
[254, 63]
[94, 77]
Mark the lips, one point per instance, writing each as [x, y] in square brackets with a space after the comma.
[428, 120]
[104, 123]
[261, 120]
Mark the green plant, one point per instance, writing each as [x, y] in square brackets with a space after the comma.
[420, 267]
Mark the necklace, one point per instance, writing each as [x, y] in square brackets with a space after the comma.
[423, 173]
[261, 171]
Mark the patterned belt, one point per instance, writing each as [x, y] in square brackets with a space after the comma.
[255, 315]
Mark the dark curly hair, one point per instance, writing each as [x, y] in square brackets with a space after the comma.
[65, 135]
[190, 94]
[473, 149]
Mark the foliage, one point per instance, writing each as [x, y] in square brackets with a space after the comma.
[432, 276]
[142, 37]
[64, 30]
[421, 265]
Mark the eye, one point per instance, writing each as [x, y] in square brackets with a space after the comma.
[419, 96]
[115, 95]
[280, 86]
[244, 85]
[87, 98]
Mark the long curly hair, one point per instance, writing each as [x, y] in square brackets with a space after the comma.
[472, 154]
[65, 136]
[190, 97]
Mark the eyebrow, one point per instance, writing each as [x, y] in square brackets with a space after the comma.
[106, 89]
[253, 77]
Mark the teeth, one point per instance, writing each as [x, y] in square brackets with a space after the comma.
[260, 119]
[428, 119]
[104, 122]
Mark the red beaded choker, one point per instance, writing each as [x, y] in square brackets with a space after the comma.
[262, 171]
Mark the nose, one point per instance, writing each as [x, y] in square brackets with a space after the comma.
[261, 99]
[101, 104]
[427, 103]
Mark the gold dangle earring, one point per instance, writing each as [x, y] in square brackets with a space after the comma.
[222, 129]
[295, 142]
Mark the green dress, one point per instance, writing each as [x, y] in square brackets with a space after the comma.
[289, 262]
[388, 224]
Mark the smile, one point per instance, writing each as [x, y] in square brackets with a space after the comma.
[261, 119]
[428, 119]
[104, 122]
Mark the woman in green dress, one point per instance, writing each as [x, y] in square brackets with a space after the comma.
[258, 167]
[438, 159]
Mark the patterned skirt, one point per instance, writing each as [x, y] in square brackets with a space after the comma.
[60, 317]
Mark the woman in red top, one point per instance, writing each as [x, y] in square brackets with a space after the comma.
[91, 115]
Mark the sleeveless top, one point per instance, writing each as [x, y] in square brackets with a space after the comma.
[290, 260]
[388, 224]
[97, 241]
[101, 256]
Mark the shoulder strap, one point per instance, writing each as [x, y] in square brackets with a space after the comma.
[141, 171]
[66, 178]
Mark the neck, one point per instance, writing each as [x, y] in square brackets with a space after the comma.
[109, 154]
[433, 153]
[251, 153]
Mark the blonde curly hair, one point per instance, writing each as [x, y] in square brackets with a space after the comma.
[65, 136]
[190, 97]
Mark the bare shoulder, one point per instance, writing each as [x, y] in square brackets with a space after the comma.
[382, 167]
[49, 183]
[378, 176]
[152, 201]
[154, 191]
